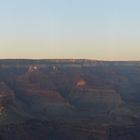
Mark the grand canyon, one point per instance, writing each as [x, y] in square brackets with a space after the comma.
[68, 99]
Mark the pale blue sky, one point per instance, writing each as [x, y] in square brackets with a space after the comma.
[93, 29]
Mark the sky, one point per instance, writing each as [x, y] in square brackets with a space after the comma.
[75, 29]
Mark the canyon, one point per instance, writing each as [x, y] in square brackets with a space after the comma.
[65, 99]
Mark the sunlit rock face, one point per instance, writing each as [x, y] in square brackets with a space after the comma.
[33, 68]
[81, 83]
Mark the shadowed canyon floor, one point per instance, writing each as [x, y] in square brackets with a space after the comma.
[69, 100]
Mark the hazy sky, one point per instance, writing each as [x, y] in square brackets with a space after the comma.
[93, 29]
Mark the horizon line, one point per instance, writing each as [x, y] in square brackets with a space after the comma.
[84, 59]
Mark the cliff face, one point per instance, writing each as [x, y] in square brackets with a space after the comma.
[69, 99]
